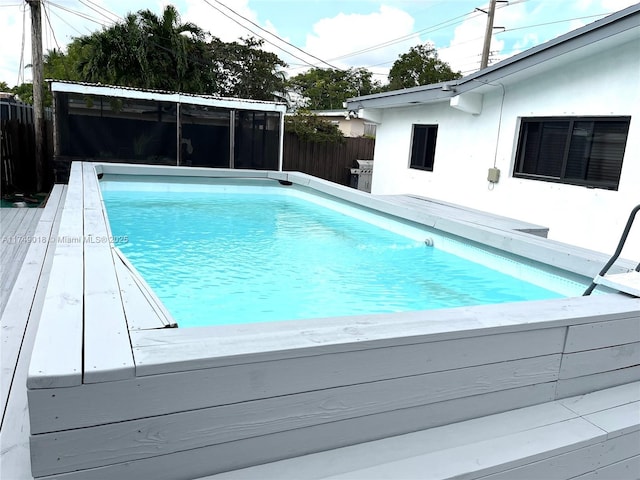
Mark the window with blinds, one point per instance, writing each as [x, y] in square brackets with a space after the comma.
[575, 150]
[423, 147]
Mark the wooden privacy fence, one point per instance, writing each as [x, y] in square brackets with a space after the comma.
[17, 148]
[329, 161]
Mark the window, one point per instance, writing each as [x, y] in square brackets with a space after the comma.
[423, 147]
[575, 150]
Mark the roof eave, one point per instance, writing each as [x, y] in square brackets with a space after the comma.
[165, 96]
[607, 27]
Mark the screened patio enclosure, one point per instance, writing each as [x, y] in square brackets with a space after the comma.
[119, 124]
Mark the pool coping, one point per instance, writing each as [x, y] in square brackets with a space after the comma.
[86, 336]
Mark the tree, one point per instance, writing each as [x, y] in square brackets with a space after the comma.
[24, 92]
[147, 51]
[419, 66]
[176, 52]
[312, 128]
[242, 69]
[327, 89]
[61, 66]
[161, 52]
[4, 87]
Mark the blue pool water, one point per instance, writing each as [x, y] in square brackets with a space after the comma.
[225, 258]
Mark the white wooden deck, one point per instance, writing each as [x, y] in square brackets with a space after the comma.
[587, 437]
[246, 396]
[17, 227]
[628, 283]
[19, 323]
[441, 209]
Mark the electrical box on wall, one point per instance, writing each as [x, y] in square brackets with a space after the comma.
[494, 175]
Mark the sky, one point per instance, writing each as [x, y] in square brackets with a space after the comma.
[322, 33]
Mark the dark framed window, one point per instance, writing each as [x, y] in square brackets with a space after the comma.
[574, 150]
[423, 146]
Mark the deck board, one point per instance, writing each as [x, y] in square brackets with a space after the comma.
[544, 441]
[15, 462]
[61, 323]
[17, 226]
[15, 316]
[623, 282]
[441, 209]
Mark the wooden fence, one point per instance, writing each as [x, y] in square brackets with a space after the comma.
[17, 148]
[330, 161]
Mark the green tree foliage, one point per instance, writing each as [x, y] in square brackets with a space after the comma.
[61, 65]
[161, 52]
[419, 66]
[242, 69]
[327, 89]
[24, 92]
[146, 51]
[311, 128]
[4, 87]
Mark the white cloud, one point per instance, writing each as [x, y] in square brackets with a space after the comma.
[582, 5]
[334, 39]
[331, 38]
[60, 24]
[464, 52]
[11, 42]
[465, 49]
[615, 5]
[218, 23]
[215, 21]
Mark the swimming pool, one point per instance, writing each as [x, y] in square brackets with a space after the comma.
[252, 251]
[114, 393]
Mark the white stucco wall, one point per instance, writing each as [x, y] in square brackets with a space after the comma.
[350, 128]
[606, 83]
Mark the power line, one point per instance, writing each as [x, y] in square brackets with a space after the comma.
[67, 23]
[46, 15]
[110, 20]
[46, 41]
[551, 23]
[503, 31]
[78, 14]
[274, 35]
[100, 7]
[104, 9]
[430, 29]
[256, 34]
[21, 65]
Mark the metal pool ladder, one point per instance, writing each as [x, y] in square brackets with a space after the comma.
[628, 282]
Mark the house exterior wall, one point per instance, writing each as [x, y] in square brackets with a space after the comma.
[349, 128]
[606, 83]
[352, 128]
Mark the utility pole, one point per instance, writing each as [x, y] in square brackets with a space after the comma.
[38, 80]
[488, 34]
